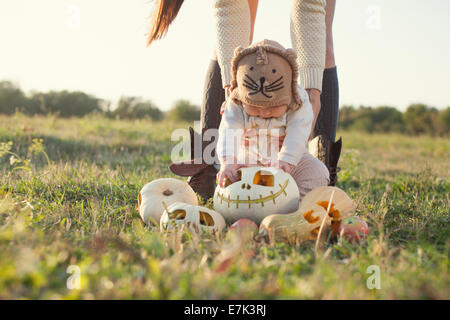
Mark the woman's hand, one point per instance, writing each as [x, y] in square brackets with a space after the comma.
[314, 98]
[228, 171]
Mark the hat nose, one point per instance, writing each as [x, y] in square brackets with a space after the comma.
[262, 79]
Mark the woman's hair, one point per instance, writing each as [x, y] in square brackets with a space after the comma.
[163, 15]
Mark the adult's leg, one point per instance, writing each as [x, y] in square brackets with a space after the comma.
[203, 177]
[214, 93]
[327, 150]
[328, 117]
[253, 6]
[213, 96]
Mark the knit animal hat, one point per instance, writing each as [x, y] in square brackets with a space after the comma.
[265, 75]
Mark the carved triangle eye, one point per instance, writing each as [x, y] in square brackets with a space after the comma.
[177, 215]
[206, 219]
[310, 218]
[264, 178]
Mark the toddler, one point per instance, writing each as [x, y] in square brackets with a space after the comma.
[267, 118]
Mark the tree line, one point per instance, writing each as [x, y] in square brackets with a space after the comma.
[79, 104]
[417, 119]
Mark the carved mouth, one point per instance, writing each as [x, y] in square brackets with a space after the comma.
[261, 200]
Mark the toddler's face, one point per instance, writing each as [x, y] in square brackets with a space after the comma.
[268, 112]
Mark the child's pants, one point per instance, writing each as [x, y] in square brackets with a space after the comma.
[310, 173]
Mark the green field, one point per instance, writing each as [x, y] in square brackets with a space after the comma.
[78, 207]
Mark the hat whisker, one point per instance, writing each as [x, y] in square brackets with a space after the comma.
[275, 88]
[262, 92]
[275, 83]
[250, 85]
[251, 80]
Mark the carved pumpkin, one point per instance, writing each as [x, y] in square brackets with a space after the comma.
[261, 191]
[305, 223]
[194, 217]
[167, 190]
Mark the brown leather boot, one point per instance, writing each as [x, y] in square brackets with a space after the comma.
[318, 148]
[328, 152]
[334, 152]
[202, 176]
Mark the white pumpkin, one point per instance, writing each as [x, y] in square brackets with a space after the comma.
[194, 217]
[305, 223]
[167, 190]
[260, 192]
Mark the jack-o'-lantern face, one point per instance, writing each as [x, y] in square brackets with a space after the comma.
[261, 191]
[194, 217]
[320, 208]
[316, 204]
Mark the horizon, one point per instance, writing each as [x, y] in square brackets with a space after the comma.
[107, 105]
[71, 50]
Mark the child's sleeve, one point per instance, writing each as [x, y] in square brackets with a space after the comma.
[298, 129]
[231, 129]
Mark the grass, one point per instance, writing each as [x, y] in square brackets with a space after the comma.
[79, 208]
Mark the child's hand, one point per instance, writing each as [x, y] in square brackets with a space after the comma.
[228, 171]
[283, 165]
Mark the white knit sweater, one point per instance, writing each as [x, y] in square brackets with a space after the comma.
[308, 35]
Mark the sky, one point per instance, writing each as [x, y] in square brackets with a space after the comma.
[388, 52]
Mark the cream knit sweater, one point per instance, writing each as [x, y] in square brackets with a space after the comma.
[232, 20]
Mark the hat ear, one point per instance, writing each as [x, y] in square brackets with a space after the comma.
[238, 50]
[291, 53]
